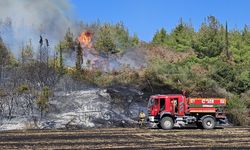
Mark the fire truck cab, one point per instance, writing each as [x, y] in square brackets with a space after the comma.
[167, 111]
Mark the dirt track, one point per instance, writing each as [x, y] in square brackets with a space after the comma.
[127, 138]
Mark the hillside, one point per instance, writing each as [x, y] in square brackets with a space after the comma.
[47, 84]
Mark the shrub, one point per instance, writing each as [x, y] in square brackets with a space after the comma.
[237, 111]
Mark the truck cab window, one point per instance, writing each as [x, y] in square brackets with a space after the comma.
[176, 105]
[162, 104]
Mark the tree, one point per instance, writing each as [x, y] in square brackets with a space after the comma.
[227, 44]
[246, 34]
[68, 43]
[4, 53]
[61, 70]
[4, 57]
[237, 46]
[160, 37]
[209, 40]
[135, 40]
[79, 55]
[27, 53]
[120, 35]
[181, 37]
[43, 100]
[27, 99]
[104, 41]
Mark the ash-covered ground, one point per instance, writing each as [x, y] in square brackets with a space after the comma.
[81, 107]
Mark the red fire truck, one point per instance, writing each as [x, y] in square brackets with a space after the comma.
[167, 111]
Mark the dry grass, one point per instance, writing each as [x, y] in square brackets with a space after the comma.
[126, 138]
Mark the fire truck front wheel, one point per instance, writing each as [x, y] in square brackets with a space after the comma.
[208, 123]
[167, 123]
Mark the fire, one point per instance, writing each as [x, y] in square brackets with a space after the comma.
[85, 38]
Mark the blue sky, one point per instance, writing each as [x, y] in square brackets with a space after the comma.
[145, 17]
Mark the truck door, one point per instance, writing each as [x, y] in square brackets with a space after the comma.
[156, 107]
[174, 105]
[177, 105]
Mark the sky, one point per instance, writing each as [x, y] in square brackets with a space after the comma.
[145, 17]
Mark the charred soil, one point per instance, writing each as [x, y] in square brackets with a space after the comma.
[127, 138]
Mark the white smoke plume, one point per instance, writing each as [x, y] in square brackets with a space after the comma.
[24, 20]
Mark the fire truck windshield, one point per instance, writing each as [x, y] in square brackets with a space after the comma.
[150, 102]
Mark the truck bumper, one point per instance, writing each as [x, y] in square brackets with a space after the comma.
[152, 122]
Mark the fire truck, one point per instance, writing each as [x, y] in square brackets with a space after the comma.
[167, 111]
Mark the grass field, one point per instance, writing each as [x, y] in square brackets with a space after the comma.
[127, 138]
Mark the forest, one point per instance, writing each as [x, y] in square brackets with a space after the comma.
[211, 61]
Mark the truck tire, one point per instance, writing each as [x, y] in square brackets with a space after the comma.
[167, 123]
[208, 123]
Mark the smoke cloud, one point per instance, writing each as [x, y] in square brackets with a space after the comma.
[22, 20]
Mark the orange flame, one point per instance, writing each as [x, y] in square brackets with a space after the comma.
[85, 38]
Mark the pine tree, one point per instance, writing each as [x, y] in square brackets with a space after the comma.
[227, 43]
[68, 40]
[135, 40]
[43, 100]
[210, 38]
[60, 60]
[160, 37]
[181, 37]
[27, 53]
[104, 41]
[4, 57]
[79, 59]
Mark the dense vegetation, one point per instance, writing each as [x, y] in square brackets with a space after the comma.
[210, 62]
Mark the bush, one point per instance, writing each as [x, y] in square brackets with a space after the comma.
[43, 100]
[23, 88]
[238, 113]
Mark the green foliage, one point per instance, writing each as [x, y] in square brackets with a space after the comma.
[234, 78]
[227, 52]
[237, 111]
[61, 66]
[209, 41]
[135, 40]
[120, 36]
[104, 41]
[181, 37]
[246, 34]
[246, 99]
[43, 100]
[23, 88]
[178, 76]
[114, 38]
[79, 55]
[68, 44]
[2, 93]
[4, 53]
[160, 37]
[27, 53]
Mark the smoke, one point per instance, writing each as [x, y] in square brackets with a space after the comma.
[133, 58]
[25, 20]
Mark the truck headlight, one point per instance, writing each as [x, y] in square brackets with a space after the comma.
[151, 118]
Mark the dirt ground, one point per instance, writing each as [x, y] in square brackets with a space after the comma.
[127, 138]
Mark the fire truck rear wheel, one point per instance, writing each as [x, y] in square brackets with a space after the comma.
[208, 123]
[167, 123]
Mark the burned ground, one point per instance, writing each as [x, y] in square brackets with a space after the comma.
[127, 138]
